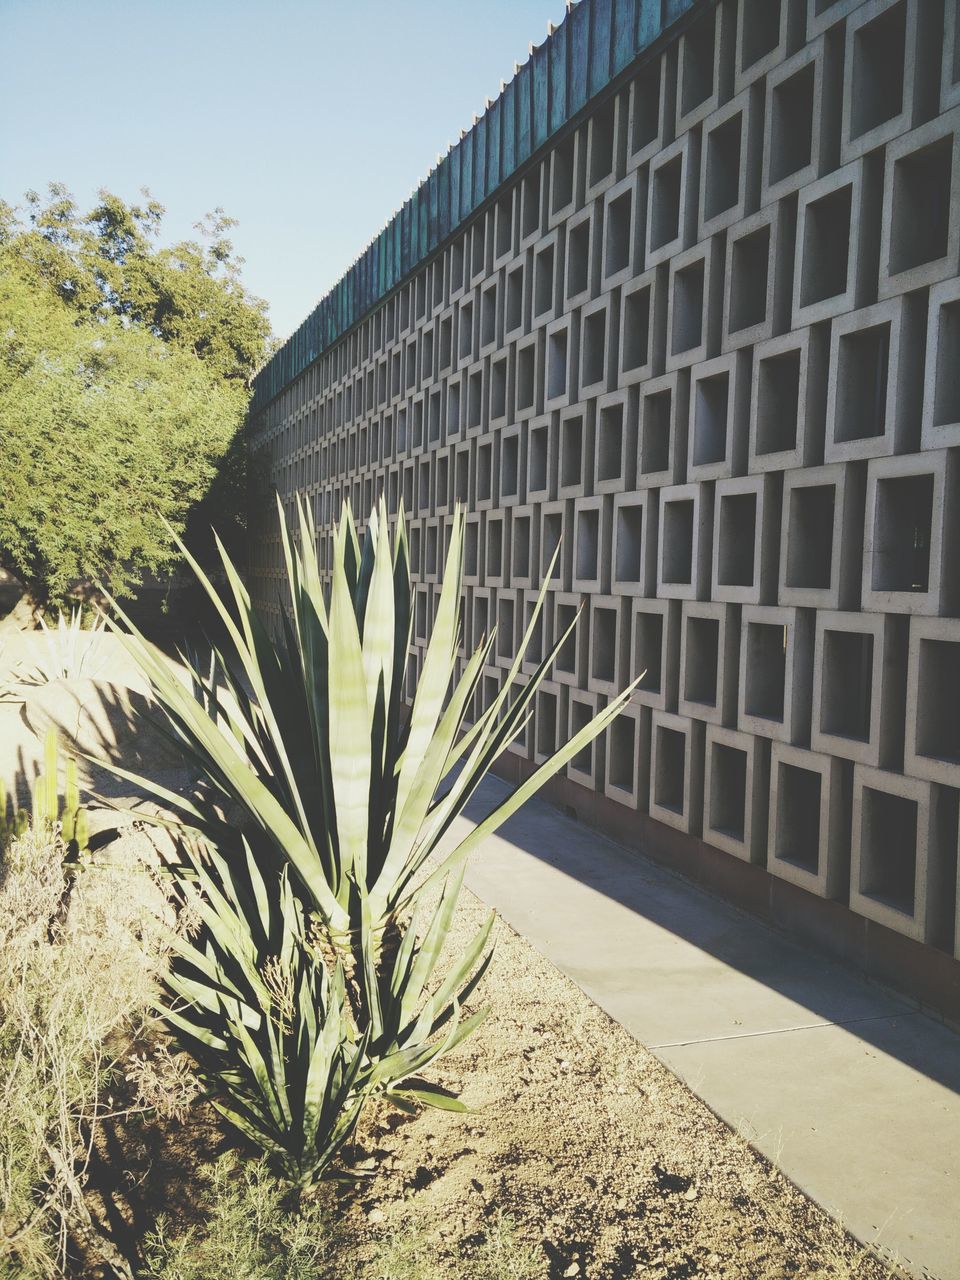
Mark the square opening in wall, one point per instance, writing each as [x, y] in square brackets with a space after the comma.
[567, 656]
[723, 167]
[677, 541]
[430, 550]
[484, 473]
[847, 688]
[526, 377]
[557, 364]
[530, 203]
[535, 650]
[513, 317]
[778, 402]
[697, 53]
[521, 546]
[736, 562]
[580, 716]
[668, 783]
[509, 466]
[876, 94]
[506, 644]
[475, 399]
[546, 722]
[594, 339]
[760, 33]
[665, 203]
[646, 106]
[920, 228]
[610, 441]
[453, 408]
[588, 545]
[571, 452]
[446, 342]
[862, 364]
[543, 281]
[494, 558]
[604, 644]
[601, 142]
[622, 753]
[562, 161]
[462, 471]
[826, 246]
[728, 791]
[751, 259]
[636, 329]
[504, 225]
[551, 532]
[578, 258]
[946, 404]
[538, 453]
[791, 130]
[888, 849]
[648, 651]
[810, 536]
[711, 407]
[629, 542]
[479, 247]
[701, 661]
[765, 670]
[456, 265]
[938, 700]
[488, 316]
[498, 388]
[466, 330]
[657, 413]
[688, 286]
[798, 817]
[619, 224]
[901, 540]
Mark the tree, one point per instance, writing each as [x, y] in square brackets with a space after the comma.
[124, 382]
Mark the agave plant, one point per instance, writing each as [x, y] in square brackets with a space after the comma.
[318, 776]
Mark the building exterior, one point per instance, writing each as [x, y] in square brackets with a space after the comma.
[685, 302]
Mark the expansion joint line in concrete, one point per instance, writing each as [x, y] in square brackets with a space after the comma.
[780, 1031]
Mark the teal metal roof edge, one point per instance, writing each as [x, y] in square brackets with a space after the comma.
[595, 42]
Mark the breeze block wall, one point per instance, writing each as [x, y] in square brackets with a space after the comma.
[705, 337]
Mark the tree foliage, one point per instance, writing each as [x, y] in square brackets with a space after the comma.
[124, 381]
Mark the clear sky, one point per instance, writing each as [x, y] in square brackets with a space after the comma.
[308, 120]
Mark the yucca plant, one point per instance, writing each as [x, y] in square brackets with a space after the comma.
[316, 775]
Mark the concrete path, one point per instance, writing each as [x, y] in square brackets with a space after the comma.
[850, 1090]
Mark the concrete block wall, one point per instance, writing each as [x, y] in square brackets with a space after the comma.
[706, 344]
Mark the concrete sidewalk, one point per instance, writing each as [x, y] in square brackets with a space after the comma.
[846, 1087]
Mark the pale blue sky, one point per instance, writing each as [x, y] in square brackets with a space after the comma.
[310, 122]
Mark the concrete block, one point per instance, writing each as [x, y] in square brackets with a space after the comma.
[500, 374]
[504, 229]
[570, 667]
[693, 310]
[481, 247]
[576, 450]
[858, 687]
[496, 570]
[634, 551]
[920, 234]
[757, 278]
[880, 62]
[683, 554]
[545, 299]
[950, 65]
[623, 228]
[932, 741]
[730, 159]
[661, 431]
[821, 537]
[550, 719]
[899, 864]
[591, 542]
[482, 617]
[562, 355]
[541, 637]
[642, 325]
[462, 465]
[485, 493]
[735, 792]
[831, 261]
[533, 204]
[718, 418]
[454, 406]
[911, 529]
[941, 385]
[700, 53]
[567, 177]
[746, 527]
[615, 438]
[587, 766]
[490, 317]
[787, 396]
[824, 14]
[655, 648]
[808, 838]
[873, 387]
[516, 298]
[676, 771]
[510, 477]
[582, 259]
[556, 525]
[529, 380]
[467, 328]
[762, 36]
[608, 643]
[776, 671]
[475, 398]
[627, 772]
[509, 620]
[523, 548]
[541, 454]
[473, 549]
[606, 145]
[598, 347]
[672, 200]
[709, 662]
[652, 99]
